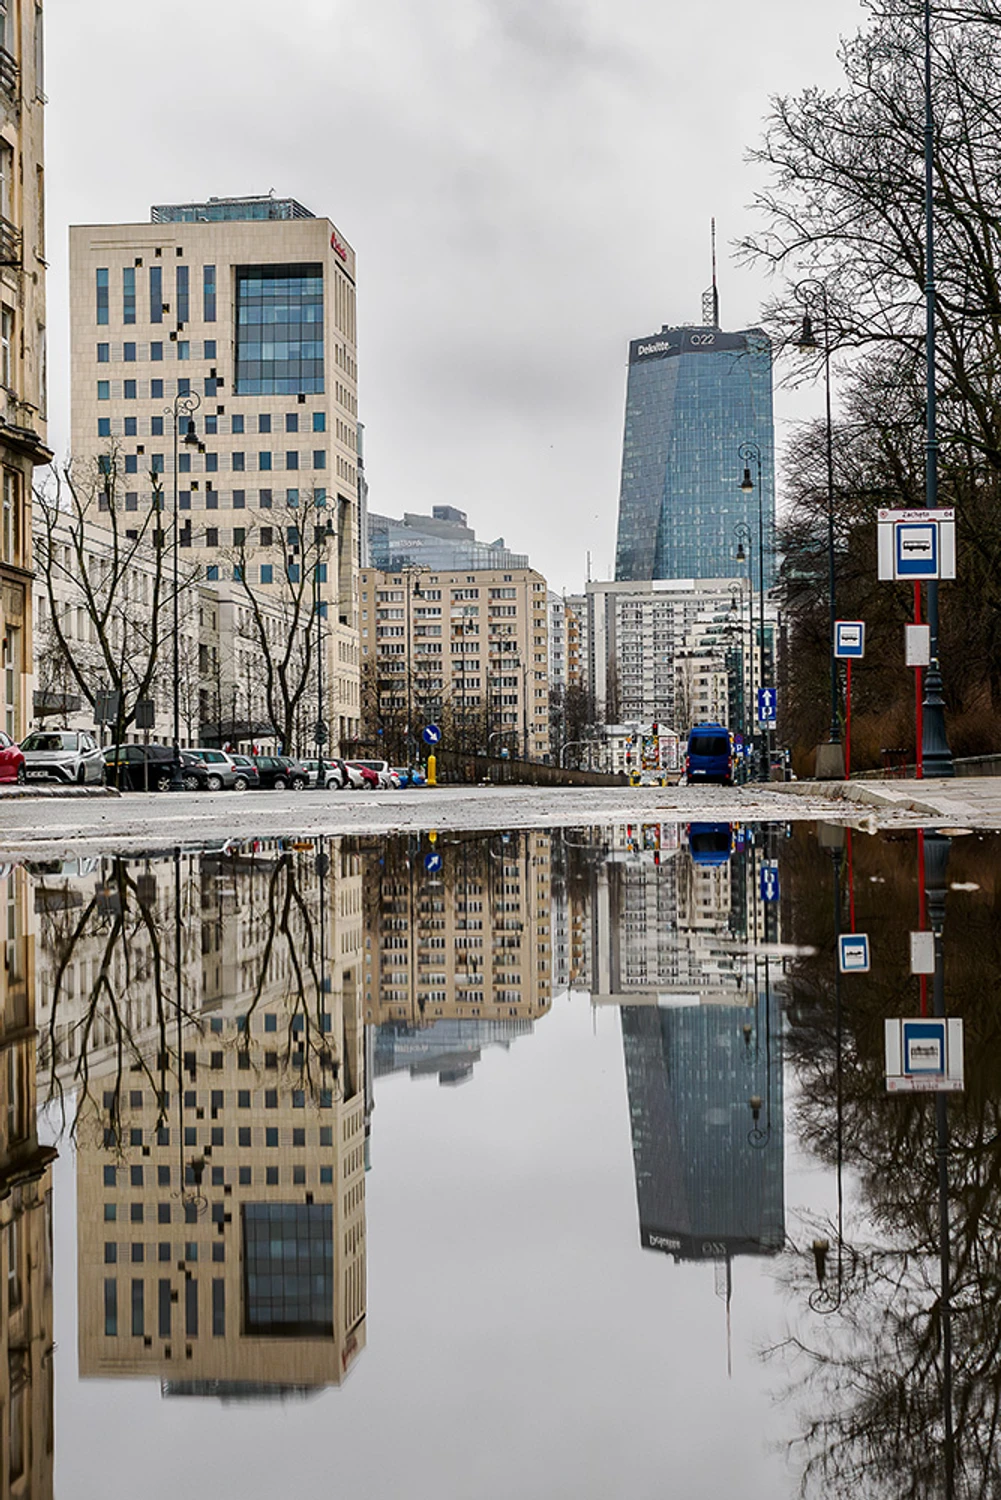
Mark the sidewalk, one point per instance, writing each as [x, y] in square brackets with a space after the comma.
[972, 800]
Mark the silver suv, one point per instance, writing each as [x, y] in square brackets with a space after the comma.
[223, 772]
[67, 755]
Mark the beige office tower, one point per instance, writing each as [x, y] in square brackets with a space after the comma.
[26, 1347]
[214, 352]
[469, 650]
[221, 1164]
[472, 943]
[22, 341]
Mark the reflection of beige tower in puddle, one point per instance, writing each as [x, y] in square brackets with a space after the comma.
[221, 1215]
[26, 1366]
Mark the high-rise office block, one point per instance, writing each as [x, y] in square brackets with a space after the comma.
[245, 310]
[22, 342]
[694, 397]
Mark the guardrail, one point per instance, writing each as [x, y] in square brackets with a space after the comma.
[474, 769]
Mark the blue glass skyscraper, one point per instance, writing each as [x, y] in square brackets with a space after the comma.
[694, 396]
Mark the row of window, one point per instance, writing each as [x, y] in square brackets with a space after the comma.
[266, 500]
[165, 1300]
[237, 422]
[181, 350]
[157, 307]
[155, 463]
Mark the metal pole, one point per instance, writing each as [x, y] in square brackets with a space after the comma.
[831, 575]
[936, 855]
[937, 756]
[318, 733]
[766, 735]
[176, 785]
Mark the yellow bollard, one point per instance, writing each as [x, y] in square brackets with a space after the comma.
[432, 770]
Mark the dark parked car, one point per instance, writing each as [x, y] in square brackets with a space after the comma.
[250, 772]
[132, 767]
[277, 772]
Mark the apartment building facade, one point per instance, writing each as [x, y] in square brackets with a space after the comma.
[222, 336]
[469, 649]
[23, 398]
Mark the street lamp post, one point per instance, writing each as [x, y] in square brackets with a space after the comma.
[744, 546]
[322, 535]
[751, 453]
[830, 764]
[184, 406]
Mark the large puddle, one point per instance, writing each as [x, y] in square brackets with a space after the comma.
[498, 1165]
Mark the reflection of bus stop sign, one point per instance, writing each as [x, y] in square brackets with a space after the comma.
[853, 953]
[431, 734]
[432, 862]
[924, 1056]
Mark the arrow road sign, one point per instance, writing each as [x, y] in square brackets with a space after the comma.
[431, 734]
[432, 862]
[769, 882]
[853, 953]
[767, 707]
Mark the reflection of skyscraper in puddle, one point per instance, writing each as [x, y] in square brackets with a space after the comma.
[220, 1156]
[26, 1364]
[677, 935]
[458, 960]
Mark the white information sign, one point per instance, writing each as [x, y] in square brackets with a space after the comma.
[922, 953]
[924, 1055]
[917, 544]
[917, 645]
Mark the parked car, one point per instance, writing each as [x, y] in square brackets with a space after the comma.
[379, 767]
[408, 775]
[248, 769]
[369, 777]
[326, 774]
[11, 759]
[276, 772]
[223, 773]
[66, 755]
[132, 767]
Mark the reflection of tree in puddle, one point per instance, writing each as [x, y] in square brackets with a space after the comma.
[871, 1381]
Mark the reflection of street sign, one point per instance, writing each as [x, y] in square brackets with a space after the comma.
[767, 707]
[917, 544]
[853, 953]
[922, 953]
[849, 638]
[924, 1056]
[432, 862]
[769, 882]
[431, 734]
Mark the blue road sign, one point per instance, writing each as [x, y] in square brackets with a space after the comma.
[431, 734]
[769, 882]
[432, 862]
[916, 545]
[767, 707]
[853, 953]
[849, 638]
[924, 1047]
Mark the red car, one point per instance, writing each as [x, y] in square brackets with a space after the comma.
[11, 759]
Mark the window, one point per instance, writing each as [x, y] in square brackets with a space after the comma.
[267, 536]
[156, 463]
[243, 1135]
[236, 424]
[162, 1176]
[279, 329]
[264, 499]
[102, 294]
[111, 1308]
[291, 460]
[131, 428]
[245, 1176]
[156, 303]
[184, 386]
[212, 426]
[104, 426]
[211, 463]
[212, 385]
[156, 391]
[163, 1309]
[191, 1307]
[319, 421]
[129, 294]
[212, 576]
[103, 354]
[218, 1309]
[129, 390]
[156, 350]
[208, 300]
[239, 536]
[291, 421]
[183, 295]
[274, 1236]
[129, 353]
[138, 1310]
[184, 463]
[292, 498]
[271, 1136]
[209, 351]
[7, 347]
[264, 460]
[239, 499]
[211, 536]
[267, 573]
[239, 462]
[183, 349]
[319, 458]
[264, 422]
[110, 1253]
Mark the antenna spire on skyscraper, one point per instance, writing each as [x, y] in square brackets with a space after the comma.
[710, 298]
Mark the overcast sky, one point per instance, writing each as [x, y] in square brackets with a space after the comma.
[528, 184]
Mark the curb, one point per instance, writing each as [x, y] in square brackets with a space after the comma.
[854, 791]
[47, 793]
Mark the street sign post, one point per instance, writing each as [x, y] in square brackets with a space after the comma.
[853, 953]
[917, 544]
[924, 1055]
[769, 882]
[431, 734]
[767, 708]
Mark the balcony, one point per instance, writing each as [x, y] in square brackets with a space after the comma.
[8, 74]
[10, 244]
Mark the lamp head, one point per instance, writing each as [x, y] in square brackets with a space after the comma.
[747, 483]
[807, 338]
[190, 436]
[741, 554]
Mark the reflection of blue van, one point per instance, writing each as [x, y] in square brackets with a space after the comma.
[710, 843]
[710, 754]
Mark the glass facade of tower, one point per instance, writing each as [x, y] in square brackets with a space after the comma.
[694, 396]
[279, 330]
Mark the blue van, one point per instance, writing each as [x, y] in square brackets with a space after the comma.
[710, 843]
[710, 755]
